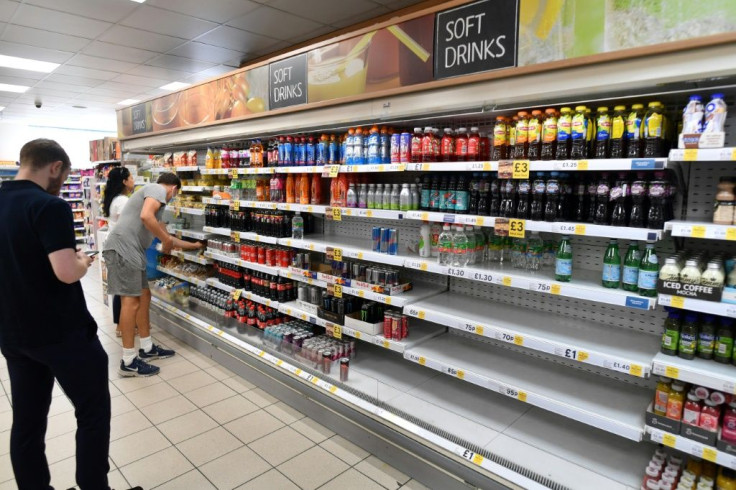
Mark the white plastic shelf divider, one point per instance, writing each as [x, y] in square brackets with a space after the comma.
[183, 277]
[607, 164]
[216, 231]
[351, 248]
[214, 200]
[585, 285]
[703, 155]
[189, 168]
[703, 372]
[292, 309]
[192, 211]
[242, 263]
[196, 234]
[311, 169]
[712, 307]
[608, 405]
[450, 218]
[588, 342]
[693, 229]
[708, 453]
[303, 208]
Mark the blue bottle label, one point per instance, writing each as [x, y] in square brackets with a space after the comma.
[461, 201]
[309, 160]
[332, 153]
[425, 199]
[631, 275]
[611, 272]
[563, 267]
[321, 153]
[648, 279]
[288, 153]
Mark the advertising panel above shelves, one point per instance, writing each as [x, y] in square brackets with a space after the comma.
[475, 37]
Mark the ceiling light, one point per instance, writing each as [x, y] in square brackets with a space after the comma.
[2, 107]
[174, 86]
[139, 1]
[79, 107]
[27, 64]
[128, 102]
[19, 89]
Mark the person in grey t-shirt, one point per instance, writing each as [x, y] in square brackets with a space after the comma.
[125, 257]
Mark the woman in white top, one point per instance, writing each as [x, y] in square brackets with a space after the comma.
[120, 184]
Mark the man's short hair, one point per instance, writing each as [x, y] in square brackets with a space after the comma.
[41, 152]
[169, 179]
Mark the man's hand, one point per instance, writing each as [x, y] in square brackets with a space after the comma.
[194, 245]
[84, 258]
[167, 245]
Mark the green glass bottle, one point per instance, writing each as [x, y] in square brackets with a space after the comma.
[630, 279]
[648, 272]
[671, 335]
[724, 341]
[688, 337]
[612, 266]
[563, 260]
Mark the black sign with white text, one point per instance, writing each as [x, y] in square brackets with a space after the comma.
[481, 36]
[141, 117]
[287, 82]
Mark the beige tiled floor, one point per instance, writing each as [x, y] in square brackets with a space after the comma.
[198, 426]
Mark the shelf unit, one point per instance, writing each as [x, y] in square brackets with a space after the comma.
[602, 165]
[691, 447]
[695, 229]
[711, 307]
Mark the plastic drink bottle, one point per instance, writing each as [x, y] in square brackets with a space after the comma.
[563, 260]
[444, 245]
[671, 334]
[534, 252]
[521, 146]
[692, 116]
[653, 130]
[297, 226]
[715, 114]
[549, 135]
[634, 131]
[362, 196]
[612, 266]
[602, 133]
[459, 247]
[648, 272]
[630, 278]
[371, 198]
[688, 337]
[618, 127]
[405, 198]
[470, 234]
[579, 133]
[425, 240]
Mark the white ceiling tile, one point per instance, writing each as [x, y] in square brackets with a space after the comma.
[114, 92]
[86, 61]
[74, 80]
[209, 73]
[121, 87]
[274, 47]
[179, 63]
[78, 71]
[105, 99]
[239, 61]
[17, 80]
[205, 52]
[321, 31]
[117, 52]
[30, 98]
[66, 87]
[137, 38]
[55, 21]
[44, 39]
[36, 53]
[7, 9]
[215, 10]
[237, 39]
[270, 22]
[167, 22]
[324, 11]
[127, 78]
[108, 10]
[350, 20]
[48, 91]
[12, 72]
[157, 72]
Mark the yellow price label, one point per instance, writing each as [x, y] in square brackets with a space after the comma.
[337, 254]
[423, 266]
[333, 389]
[298, 371]
[506, 281]
[690, 155]
[235, 236]
[521, 169]
[522, 396]
[236, 294]
[337, 291]
[518, 340]
[636, 370]
[730, 233]
[334, 171]
[478, 459]
[336, 214]
[479, 222]
[461, 374]
[421, 315]
[357, 335]
[337, 331]
[279, 362]
[479, 330]
[698, 232]
[220, 333]
[580, 229]
[710, 454]
[361, 294]
[388, 300]
[582, 356]
[234, 173]
[672, 372]
[554, 289]
[262, 353]
[177, 211]
[386, 344]
[583, 165]
[733, 154]
[669, 440]
[236, 205]
[369, 214]
[677, 302]
[315, 380]
[422, 361]
[517, 228]
[424, 216]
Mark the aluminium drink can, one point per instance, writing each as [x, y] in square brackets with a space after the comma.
[395, 148]
[393, 241]
[376, 236]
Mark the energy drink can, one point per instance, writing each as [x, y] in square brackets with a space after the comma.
[404, 326]
[384, 240]
[396, 148]
[393, 241]
[376, 236]
[395, 327]
[404, 148]
[344, 367]
[306, 262]
[387, 324]
[392, 278]
[379, 277]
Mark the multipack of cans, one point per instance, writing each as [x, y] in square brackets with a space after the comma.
[385, 240]
[395, 325]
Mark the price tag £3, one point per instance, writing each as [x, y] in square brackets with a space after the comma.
[520, 169]
[517, 228]
[336, 214]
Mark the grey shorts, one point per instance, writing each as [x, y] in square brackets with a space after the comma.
[122, 278]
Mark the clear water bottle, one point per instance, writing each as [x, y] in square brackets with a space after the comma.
[351, 197]
[386, 199]
[444, 245]
[480, 245]
[297, 226]
[395, 198]
[518, 253]
[459, 247]
[404, 198]
[471, 245]
[371, 197]
[534, 252]
[363, 196]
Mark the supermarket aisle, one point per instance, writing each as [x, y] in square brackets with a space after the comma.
[198, 426]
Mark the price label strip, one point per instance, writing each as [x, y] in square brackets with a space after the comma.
[517, 228]
[521, 169]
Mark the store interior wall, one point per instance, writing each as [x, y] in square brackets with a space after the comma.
[75, 141]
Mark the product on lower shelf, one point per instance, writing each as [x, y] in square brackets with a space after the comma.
[689, 334]
[668, 470]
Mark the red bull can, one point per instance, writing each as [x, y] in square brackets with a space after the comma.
[385, 233]
[376, 237]
[393, 241]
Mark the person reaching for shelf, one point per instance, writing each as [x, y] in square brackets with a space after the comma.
[125, 256]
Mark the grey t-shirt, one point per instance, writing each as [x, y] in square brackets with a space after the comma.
[130, 238]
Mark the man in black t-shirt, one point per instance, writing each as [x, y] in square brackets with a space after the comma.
[46, 332]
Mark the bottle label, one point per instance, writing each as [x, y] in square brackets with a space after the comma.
[522, 133]
[552, 187]
[660, 401]
[461, 201]
[448, 146]
[654, 126]
[564, 128]
[443, 200]
[631, 275]
[499, 135]
[474, 146]
[434, 199]
[648, 279]
[688, 342]
[424, 204]
[616, 192]
[638, 188]
[706, 342]
[535, 134]
[578, 127]
[690, 416]
[461, 147]
[450, 200]
[602, 190]
[460, 248]
[611, 272]
[563, 267]
[724, 346]
[539, 187]
[549, 130]
[674, 409]
[671, 339]
[617, 128]
[656, 190]
[633, 126]
[603, 129]
[524, 187]
[445, 246]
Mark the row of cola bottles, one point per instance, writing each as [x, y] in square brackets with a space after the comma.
[617, 199]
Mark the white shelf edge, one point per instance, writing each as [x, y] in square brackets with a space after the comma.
[726, 154]
[241, 263]
[348, 251]
[681, 443]
[592, 165]
[703, 372]
[192, 211]
[701, 229]
[701, 306]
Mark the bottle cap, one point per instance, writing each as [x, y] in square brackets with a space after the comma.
[637, 106]
[717, 95]
[565, 109]
[603, 109]
[696, 97]
[619, 108]
[580, 108]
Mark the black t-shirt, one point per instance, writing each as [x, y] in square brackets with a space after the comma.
[36, 308]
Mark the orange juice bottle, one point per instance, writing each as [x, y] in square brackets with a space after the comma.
[333, 192]
[290, 194]
[209, 160]
[342, 190]
[260, 190]
[256, 154]
[304, 189]
[316, 197]
[217, 159]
